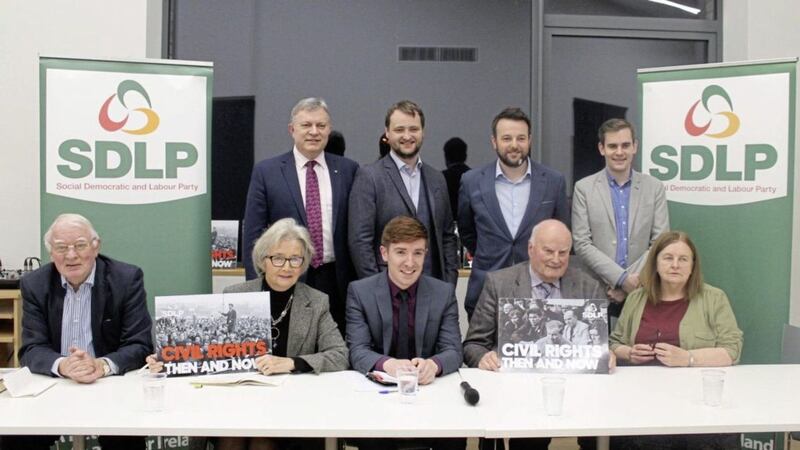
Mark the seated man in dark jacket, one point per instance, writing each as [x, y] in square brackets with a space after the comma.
[84, 317]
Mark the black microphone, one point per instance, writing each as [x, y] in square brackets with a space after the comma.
[471, 394]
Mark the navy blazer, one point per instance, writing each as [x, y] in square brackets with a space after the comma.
[378, 196]
[274, 194]
[369, 322]
[120, 321]
[483, 229]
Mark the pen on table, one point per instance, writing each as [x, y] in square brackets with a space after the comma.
[387, 391]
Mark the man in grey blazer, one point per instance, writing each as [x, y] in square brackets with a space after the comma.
[617, 213]
[501, 202]
[547, 274]
[401, 318]
[401, 184]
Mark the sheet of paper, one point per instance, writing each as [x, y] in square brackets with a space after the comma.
[23, 383]
[239, 379]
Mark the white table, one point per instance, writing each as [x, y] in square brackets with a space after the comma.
[634, 400]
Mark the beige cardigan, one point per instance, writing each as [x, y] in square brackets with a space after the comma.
[708, 323]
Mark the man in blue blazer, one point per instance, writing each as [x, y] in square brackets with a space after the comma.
[284, 186]
[499, 204]
[84, 317]
[401, 184]
[401, 318]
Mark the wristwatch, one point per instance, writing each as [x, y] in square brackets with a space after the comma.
[106, 367]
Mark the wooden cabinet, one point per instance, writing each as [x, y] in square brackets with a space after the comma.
[10, 325]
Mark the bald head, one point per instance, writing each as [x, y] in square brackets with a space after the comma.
[548, 250]
[546, 229]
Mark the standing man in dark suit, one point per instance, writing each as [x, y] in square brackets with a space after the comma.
[84, 317]
[499, 204]
[546, 273]
[401, 184]
[312, 187]
[400, 318]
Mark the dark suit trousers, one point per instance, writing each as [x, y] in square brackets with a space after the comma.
[323, 278]
[45, 442]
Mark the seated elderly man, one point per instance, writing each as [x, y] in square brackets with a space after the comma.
[84, 317]
[547, 274]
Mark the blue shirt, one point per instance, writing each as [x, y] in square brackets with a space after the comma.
[411, 177]
[620, 201]
[542, 290]
[512, 196]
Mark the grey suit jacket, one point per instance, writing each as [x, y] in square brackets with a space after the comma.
[369, 322]
[515, 281]
[594, 228]
[378, 196]
[483, 229]
[313, 334]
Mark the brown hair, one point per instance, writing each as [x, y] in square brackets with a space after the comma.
[407, 107]
[403, 229]
[612, 125]
[652, 280]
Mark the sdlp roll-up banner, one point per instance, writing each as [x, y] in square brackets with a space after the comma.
[721, 138]
[127, 144]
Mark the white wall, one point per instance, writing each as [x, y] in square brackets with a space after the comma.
[28, 28]
[758, 29]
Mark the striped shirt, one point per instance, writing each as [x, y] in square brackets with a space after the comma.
[76, 321]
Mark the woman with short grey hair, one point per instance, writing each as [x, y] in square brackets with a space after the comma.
[304, 336]
[282, 230]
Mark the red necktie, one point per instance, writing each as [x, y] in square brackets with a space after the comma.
[314, 213]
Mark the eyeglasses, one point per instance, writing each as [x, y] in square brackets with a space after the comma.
[280, 261]
[79, 247]
[656, 340]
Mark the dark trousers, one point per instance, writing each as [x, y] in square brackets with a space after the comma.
[409, 444]
[587, 442]
[323, 278]
[516, 444]
[677, 442]
[19, 442]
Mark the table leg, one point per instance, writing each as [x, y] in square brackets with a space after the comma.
[78, 442]
[603, 442]
[330, 443]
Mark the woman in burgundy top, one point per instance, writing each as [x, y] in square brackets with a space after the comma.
[676, 320]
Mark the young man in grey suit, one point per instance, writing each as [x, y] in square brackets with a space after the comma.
[499, 203]
[401, 318]
[547, 274]
[401, 184]
[617, 213]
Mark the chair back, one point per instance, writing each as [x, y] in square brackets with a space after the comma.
[790, 348]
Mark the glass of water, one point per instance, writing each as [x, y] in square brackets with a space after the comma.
[407, 382]
[153, 391]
